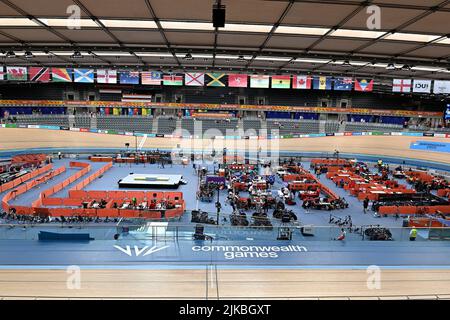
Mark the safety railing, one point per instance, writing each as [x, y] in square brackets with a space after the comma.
[173, 231]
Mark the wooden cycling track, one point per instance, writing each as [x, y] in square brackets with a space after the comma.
[395, 146]
[211, 282]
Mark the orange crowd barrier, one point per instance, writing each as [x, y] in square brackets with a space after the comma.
[445, 193]
[29, 185]
[101, 159]
[330, 162]
[9, 185]
[413, 210]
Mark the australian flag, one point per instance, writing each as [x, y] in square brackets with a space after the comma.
[129, 77]
[343, 84]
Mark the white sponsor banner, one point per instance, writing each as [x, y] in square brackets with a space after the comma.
[74, 129]
[396, 133]
[33, 126]
[422, 86]
[440, 135]
[441, 87]
[339, 134]
[128, 133]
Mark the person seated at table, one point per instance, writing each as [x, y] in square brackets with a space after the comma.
[115, 205]
[103, 203]
[170, 205]
[152, 204]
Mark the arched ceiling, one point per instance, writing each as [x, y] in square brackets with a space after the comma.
[273, 36]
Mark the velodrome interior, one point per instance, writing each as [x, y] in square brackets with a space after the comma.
[290, 169]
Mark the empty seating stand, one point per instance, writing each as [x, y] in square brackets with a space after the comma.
[252, 127]
[51, 120]
[125, 123]
[331, 127]
[82, 121]
[167, 125]
[367, 127]
[288, 127]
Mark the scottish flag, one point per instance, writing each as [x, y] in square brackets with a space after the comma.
[129, 77]
[83, 75]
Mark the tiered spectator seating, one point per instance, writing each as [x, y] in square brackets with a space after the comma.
[51, 120]
[286, 127]
[167, 125]
[222, 125]
[252, 126]
[125, 123]
[366, 126]
[187, 124]
[82, 121]
[331, 127]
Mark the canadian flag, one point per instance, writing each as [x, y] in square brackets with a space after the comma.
[402, 85]
[301, 82]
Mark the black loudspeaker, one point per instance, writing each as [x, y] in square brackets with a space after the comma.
[218, 16]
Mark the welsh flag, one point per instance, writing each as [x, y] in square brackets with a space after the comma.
[16, 73]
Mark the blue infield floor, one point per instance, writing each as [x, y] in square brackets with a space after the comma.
[230, 247]
[225, 253]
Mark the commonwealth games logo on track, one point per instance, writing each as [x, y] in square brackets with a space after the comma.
[233, 252]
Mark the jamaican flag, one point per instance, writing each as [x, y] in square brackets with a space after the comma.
[216, 79]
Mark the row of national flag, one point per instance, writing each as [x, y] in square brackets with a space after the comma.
[42, 74]
[421, 86]
[215, 79]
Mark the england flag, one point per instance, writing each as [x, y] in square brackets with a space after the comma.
[402, 85]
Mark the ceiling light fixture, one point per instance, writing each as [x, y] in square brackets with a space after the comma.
[406, 67]
[28, 55]
[188, 56]
[76, 55]
[241, 58]
[391, 66]
[10, 54]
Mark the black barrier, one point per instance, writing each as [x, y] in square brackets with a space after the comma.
[330, 134]
[428, 134]
[160, 135]
[64, 128]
